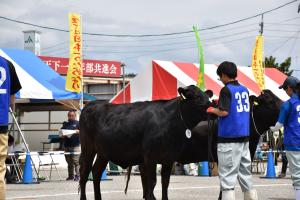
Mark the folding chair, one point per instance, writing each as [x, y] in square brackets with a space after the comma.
[52, 139]
[15, 166]
[44, 163]
[258, 164]
[258, 161]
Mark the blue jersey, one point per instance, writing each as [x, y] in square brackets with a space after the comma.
[236, 123]
[285, 109]
[4, 91]
[292, 125]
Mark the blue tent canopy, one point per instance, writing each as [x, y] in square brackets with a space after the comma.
[38, 80]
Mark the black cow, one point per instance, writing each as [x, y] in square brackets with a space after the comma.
[144, 133]
[203, 147]
[264, 113]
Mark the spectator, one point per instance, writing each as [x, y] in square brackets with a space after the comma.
[284, 164]
[281, 151]
[72, 146]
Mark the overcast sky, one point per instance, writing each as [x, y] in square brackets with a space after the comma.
[233, 43]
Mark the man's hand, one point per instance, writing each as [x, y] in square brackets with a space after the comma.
[12, 101]
[277, 127]
[210, 109]
[217, 111]
[272, 128]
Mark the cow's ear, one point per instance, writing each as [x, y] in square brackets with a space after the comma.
[180, 92]
[253, 99]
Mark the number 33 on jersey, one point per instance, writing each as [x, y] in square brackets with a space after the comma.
[243, 104]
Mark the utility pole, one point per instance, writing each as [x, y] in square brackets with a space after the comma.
[261, 25]
[123, 68]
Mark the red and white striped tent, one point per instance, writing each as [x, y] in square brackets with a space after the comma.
[161, 80]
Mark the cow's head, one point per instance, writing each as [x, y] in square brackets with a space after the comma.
[193, 95]
[265, 111]
[268, 99]
[266, 108]
[193, 104]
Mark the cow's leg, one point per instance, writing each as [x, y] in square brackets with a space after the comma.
[86, 162]
[165, 179]
[150, 170]
[98, 168]
[144, 180]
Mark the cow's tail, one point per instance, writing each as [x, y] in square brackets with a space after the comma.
[127, 176]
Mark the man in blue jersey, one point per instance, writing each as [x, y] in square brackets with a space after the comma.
[289, 118]
[233, 134]
[9, 86]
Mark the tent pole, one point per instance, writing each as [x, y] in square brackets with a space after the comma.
[23, 138]
[18, 127]
[124, 92]
[81, 99]
[13, 124]
[82, 63]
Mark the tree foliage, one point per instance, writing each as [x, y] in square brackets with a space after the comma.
[284, 67]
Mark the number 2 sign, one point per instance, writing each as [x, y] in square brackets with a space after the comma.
[2, 80]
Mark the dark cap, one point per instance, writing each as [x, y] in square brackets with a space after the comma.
[290, 81]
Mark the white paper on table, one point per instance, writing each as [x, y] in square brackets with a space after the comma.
[66, 132]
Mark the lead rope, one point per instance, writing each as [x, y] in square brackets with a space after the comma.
[209, 140]
[180, 114]
[254, 124]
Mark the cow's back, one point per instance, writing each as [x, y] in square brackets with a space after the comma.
[130, 130]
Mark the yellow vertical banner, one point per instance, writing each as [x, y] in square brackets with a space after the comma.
[74, 75]
[258, 67]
